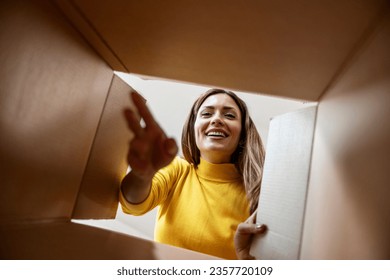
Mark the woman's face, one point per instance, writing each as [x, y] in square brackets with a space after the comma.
[218, 128]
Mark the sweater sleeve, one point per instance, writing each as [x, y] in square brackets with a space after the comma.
[163, 184]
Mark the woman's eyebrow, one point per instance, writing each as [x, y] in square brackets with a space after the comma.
[224, 107]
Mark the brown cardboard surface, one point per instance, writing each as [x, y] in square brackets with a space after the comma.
[52, 91]
[70, 241]
[57, 145]
[53, 87]
[92, 35]
[348, 209]
[279, 47]
[107, 162]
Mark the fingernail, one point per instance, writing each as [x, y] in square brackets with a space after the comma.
[261, 227]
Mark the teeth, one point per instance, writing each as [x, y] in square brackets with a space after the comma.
[216, 133]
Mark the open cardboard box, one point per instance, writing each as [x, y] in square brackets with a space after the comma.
[62, 133]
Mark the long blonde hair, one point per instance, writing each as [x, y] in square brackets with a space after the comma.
[249, 154]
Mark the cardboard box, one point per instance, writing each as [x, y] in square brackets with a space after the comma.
[54, 93]
[63, 143]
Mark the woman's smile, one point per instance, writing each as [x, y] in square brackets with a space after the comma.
[216, 133]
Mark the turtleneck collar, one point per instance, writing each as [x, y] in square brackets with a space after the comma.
[224, 172]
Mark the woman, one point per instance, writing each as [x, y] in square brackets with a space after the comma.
[205, 198]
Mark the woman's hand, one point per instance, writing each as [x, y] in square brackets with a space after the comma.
[150, 149]
[244, 235]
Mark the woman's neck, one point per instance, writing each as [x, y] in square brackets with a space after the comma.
[215, 158]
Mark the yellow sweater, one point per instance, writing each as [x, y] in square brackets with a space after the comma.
[200, 209]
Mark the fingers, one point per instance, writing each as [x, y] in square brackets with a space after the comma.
[245, 228]
[133, 122]
[143, 110]
[150, 149]
[150, 156]
[243, 239]
[168, 150]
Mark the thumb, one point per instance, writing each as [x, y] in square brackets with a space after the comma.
[245, 228]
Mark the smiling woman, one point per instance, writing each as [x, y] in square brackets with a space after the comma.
[217, 128]
[224, 157]
[223, 111]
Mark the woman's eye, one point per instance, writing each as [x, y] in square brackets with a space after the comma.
[205, 114]
[230, 116]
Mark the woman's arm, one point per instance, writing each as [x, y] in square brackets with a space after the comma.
[135, 189]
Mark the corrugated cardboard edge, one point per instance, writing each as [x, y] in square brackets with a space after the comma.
[80, 21]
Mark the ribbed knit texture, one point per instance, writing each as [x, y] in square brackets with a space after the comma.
[200, 209]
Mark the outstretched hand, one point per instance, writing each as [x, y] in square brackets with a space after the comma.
[150, 149]
[244, 236]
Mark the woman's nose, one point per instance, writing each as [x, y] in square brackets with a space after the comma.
[217, 120]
